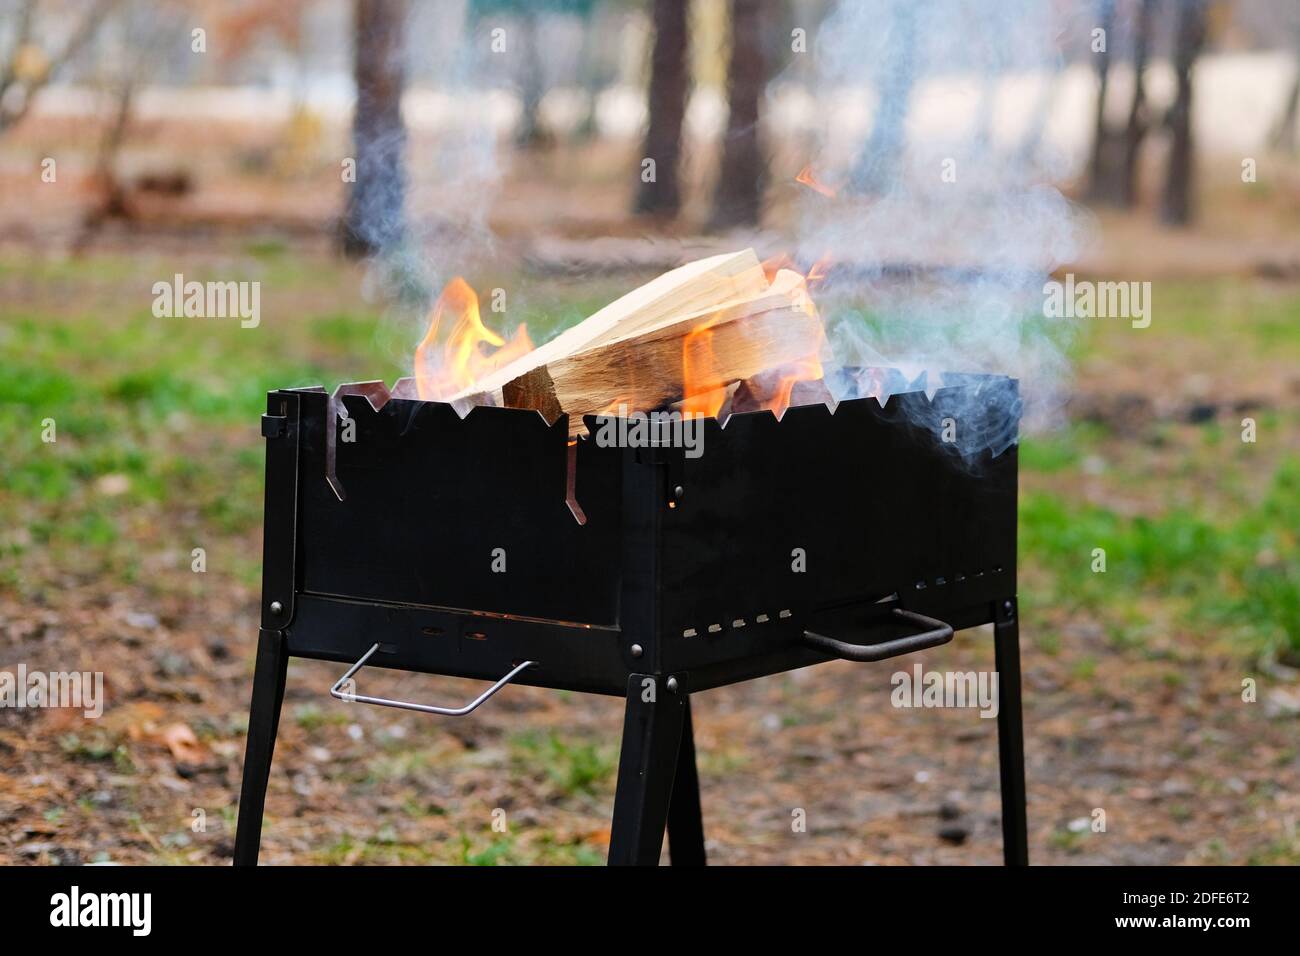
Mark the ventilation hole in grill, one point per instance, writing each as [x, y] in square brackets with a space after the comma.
[762, 619]
[689, 632]
[998, 569]
[979, 573]
[738, 623]
[715, 628]
[958, 578]
[785, 613]
[920, 585]
[476, 635]
[940, 581]
[432, 630]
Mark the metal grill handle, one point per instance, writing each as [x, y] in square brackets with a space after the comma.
[422, 708]
[938, 633]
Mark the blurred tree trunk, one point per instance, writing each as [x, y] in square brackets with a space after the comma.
[373, 219]
[738, 195]
[1137, 115]
[531, 85]
[592, 39]
[877, 164]
[1189, 37]
[141, 26]
[1283, 136]
[669, 82]
[1101, 166]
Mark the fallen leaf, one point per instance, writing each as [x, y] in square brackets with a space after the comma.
[183, 744]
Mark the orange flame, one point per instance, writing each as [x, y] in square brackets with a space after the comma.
[461, 361]
[815, 275]
[804, 370]
[704, 390]
[776, 263]
[806, 178]
[818, 270]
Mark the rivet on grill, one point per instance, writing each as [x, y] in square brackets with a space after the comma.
[637, 650]
[277, 608]
[672, 684]
[678, 491]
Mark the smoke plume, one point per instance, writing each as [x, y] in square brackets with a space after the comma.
[946, 221]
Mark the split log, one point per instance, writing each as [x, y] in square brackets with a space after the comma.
[650, 372]
[687, 289]
[697, 328]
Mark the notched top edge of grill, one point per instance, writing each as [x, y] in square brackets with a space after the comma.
[378, 394]
[912, 398]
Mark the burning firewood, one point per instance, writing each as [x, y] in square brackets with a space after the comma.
[682, 340]
[779, 388]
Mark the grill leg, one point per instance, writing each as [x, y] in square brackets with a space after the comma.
[1011, 735]
[685, 823]
[263, 719]
[652, 731]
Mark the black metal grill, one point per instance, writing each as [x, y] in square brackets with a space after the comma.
[636, 571]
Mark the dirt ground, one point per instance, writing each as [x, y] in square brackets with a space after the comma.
[1184, 771]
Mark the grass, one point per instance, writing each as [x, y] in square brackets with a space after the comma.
[573, 767]
[1201, 530]
[1239, 577]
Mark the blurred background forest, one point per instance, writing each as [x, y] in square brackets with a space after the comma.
[143, 139]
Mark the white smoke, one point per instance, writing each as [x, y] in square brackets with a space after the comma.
[452, 170]
[947, 221]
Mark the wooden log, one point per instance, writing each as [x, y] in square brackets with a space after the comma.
[700, 285]
[650, 372]
[695, 337]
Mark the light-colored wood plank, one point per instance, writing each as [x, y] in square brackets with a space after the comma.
[645, 373]
[689, 289]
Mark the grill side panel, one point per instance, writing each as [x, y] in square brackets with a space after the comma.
[866, 503]
[459, 513]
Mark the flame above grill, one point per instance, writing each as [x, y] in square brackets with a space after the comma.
[443, 369]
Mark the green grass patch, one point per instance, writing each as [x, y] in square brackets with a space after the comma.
[573, 766]
[1238, 576]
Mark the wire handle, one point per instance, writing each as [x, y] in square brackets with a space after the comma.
[422, 708]
[938, 633]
